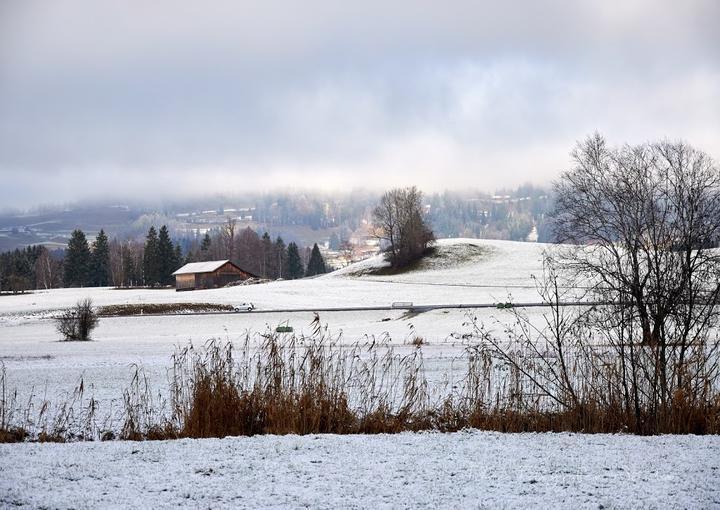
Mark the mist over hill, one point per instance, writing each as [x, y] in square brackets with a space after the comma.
[304, 217]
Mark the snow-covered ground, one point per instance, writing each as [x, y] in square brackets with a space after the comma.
[470, 271]
[498, 268]
[468, 469]
[462, 470]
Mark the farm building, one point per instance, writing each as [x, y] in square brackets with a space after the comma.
[208, 275]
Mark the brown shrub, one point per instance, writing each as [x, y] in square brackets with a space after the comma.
[77, 322]
[128, 309]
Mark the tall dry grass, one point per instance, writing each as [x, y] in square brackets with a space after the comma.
[73, 418]
[285, 384]
[280, 384]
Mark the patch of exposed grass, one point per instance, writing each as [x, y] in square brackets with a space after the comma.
[43, 357]
[416, 265]
[410, 314]
[161, 308]
[435, 257]
[12, 293]
[418, 341]
[13, 435]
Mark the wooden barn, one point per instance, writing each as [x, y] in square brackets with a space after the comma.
[208, 275]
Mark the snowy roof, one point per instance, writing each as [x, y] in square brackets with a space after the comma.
[201, 267]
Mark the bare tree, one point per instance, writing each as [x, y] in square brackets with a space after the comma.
[18, 284]
[227, 234]
[47, 270]
[399, 221]
[77, 322]
[249, 251]
[643, 220]
[347, 252]
[117, 273]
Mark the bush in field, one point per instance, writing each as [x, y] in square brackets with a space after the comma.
[77, 322]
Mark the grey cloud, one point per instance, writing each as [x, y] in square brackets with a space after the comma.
[122, 94]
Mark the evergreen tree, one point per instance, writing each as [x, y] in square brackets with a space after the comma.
[77, 260]
[151, 261]
[166, 257]
[22, 266]
[205, 247]
[316, 264]
[279, 258]
[100, 261]
[293, 265]
[178, 260]
[267, 256]
[18, 268]
[128, 267]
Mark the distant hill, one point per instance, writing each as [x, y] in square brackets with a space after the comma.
[52, 227]
[303, 217]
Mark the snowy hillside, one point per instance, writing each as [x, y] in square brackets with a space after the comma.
[465, 270]
[463, 261]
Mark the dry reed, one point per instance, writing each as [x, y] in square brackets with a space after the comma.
[287, 384]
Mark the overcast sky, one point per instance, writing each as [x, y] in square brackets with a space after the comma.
[121, 98]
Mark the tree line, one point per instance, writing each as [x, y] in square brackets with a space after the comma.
[504, 214]
[34, 267]
[259, 255]
[152, 261]
[100, 264]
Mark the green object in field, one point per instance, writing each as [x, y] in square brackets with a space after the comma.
[284, 329]
[503, 306]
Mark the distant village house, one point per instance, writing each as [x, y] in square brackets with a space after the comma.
[208, 275]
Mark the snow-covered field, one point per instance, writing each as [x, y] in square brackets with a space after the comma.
[468, 469]
[462, 470]
[36, 360]
[498, 268]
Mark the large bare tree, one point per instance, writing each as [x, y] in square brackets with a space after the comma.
[399, 222]
[645, 221]
[227, 234]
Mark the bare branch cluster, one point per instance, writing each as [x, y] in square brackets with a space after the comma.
[78, 322]
[643, 222]
[646, 219]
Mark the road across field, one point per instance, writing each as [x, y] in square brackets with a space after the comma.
[407, 307]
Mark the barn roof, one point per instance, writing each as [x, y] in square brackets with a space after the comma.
[201, 267]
